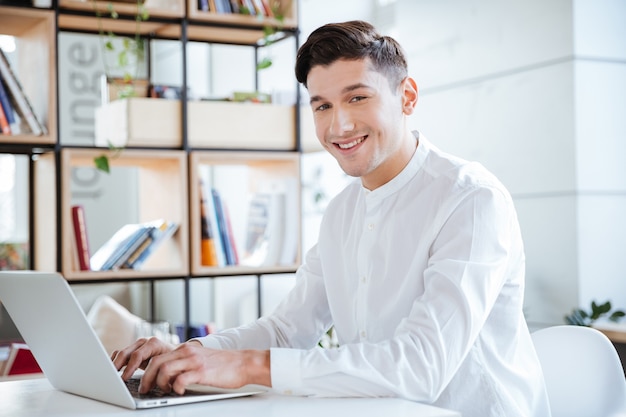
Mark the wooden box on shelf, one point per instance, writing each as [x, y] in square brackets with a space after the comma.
[161, 194]
[34, 33]
[230, 125]
[239, 178]
[139, 122]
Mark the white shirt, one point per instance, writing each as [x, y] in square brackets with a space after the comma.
[423, 280]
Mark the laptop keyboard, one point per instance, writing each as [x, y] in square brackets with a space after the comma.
[156, 392]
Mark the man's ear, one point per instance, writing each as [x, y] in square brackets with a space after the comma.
[409, 95]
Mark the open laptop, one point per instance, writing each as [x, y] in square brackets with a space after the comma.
[54, 326]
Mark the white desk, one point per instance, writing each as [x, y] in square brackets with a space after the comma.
[36, 397]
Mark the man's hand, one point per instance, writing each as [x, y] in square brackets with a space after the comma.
[138, 355]
[174, 368]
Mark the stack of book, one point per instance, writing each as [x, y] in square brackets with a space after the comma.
[128, 248]
[16, 112]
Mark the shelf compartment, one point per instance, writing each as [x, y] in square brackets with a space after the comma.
[238, 176]
[287, 8]
[34, 32]
[161, 193]
[229, 125]
[141, 122]
[156, 8]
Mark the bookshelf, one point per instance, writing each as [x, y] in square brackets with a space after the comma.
[165, 161]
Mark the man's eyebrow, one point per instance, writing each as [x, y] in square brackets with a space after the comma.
[346, 89]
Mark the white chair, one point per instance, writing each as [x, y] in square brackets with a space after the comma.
[583, 373]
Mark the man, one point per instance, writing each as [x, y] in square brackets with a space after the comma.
[419, 265]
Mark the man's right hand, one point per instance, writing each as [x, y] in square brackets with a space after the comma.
[137, 355]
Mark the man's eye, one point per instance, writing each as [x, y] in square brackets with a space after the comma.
[322, 107]
[357, 98]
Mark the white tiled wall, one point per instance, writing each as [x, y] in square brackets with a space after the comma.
[536, 91]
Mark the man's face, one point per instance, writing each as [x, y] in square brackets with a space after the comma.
[360, 119]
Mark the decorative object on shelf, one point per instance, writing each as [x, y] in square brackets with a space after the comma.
[580, 317]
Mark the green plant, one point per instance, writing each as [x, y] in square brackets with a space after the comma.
[127, 59]
[269, 33]
[580, 317]
[132, 49]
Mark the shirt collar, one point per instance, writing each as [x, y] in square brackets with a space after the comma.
[399, 181]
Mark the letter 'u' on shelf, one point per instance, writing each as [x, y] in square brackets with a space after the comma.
[161, 194]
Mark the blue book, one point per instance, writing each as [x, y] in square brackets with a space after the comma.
[161, 231]
[8, 109]
[121, 245]
[223, 228]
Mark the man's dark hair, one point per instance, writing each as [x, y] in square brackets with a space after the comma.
[353, 40]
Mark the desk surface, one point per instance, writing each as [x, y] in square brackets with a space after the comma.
[36, 397]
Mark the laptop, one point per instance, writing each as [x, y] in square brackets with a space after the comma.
[47, 314]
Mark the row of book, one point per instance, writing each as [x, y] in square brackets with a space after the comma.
[16, 112]
[271, 236]
[249, 7]
[128, 248]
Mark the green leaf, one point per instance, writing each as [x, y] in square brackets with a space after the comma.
[144, 14]
[102, 163]
[264, 63]
[617, 315]
[597, 310]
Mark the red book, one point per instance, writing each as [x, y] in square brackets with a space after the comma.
[80, 236]
[21, 361]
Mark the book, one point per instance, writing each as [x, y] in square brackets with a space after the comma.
[291, 235]
[115, 251]
[4, 123]
[223, 227]
[203, 5]
[265, 229]
[17, 93]
[9, 112]
[161, 231]
[80, 237]
[231, 235]
[20, 361]
[208, 250]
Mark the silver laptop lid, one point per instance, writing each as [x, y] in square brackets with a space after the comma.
[54, 326]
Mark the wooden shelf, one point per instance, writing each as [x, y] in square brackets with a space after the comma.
[156, 8]
[286, 8]
[34, 32]
[262, 168]
[162, 193]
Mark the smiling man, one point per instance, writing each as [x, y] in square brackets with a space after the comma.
[419, 264]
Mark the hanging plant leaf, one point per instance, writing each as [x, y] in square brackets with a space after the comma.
[264, 63]
[102, 163]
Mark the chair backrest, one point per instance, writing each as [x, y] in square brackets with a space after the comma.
[583, 373]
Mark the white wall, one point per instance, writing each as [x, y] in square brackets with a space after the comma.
[535, 91]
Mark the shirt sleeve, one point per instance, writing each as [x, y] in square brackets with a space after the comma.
[299, 321]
